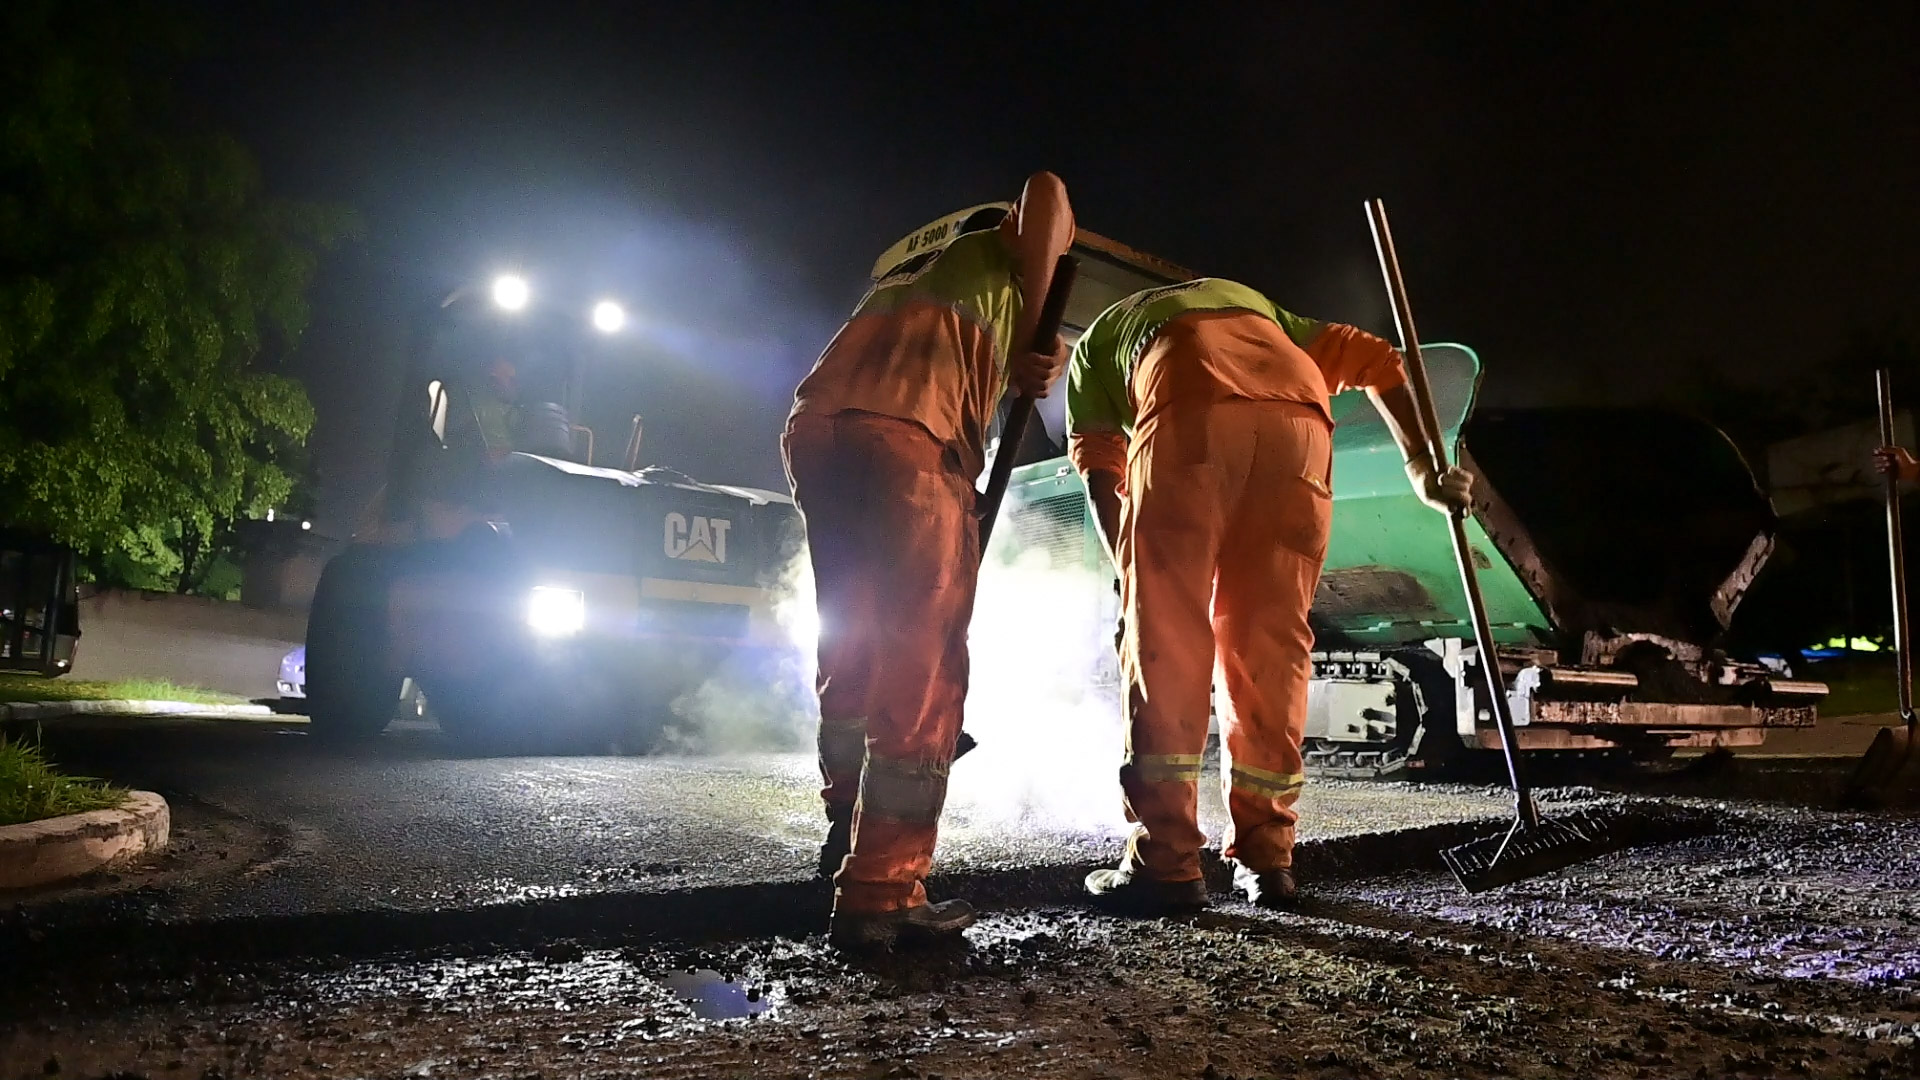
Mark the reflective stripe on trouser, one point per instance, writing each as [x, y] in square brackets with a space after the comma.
[894, 545]
[1223, 532]
[843, 750]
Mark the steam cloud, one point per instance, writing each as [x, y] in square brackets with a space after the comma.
[759, 700]
[1043, 698]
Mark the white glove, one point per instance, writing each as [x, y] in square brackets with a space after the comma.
[1446, 492]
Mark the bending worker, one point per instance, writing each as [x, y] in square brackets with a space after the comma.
[1198, 415]
[882, 448]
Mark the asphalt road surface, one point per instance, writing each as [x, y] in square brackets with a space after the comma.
[400, 912]
[269, 822]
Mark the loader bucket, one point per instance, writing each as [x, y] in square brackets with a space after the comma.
[1888, 774]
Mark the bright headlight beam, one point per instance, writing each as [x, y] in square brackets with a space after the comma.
[556, 612]
[608, 317]
[510, 292]
[803, 627]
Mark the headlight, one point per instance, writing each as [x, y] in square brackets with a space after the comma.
[510, 292]
[803, 626]
[556, 612]
[608, 317]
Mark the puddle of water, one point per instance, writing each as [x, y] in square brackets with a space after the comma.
[713, 996]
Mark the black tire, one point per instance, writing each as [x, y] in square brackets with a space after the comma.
[352, 689]
[474, 717]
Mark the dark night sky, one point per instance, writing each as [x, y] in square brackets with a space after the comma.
[1599, 200]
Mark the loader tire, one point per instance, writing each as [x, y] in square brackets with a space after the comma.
[477, 718]
[352, 689]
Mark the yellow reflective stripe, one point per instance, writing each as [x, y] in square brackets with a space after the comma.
[905, 791]
[1273, 785]
[1166, 768]
[843, 743]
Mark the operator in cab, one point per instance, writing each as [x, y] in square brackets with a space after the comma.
[496, 408]
[886, 437]
[1199, 416]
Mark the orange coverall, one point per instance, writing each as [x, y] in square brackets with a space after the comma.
[895, 551]
[1226, 505]
[886, 437]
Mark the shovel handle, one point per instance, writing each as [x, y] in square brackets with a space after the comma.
[1896, 555]
[1434, 437]
[1052, 310]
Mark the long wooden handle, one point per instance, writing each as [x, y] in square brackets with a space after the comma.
[1052, 311]
[1896, 554]
[1434, 436]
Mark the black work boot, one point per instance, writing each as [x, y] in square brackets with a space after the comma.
[1132, 892]
[1272, 889]
[922, 924]
[839, 840]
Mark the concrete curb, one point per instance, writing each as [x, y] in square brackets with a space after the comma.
[53, 710]
[56, 849]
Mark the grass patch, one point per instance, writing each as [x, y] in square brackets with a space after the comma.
[30, 789]
[1868, 692]
[1856, 687]
[16, 688]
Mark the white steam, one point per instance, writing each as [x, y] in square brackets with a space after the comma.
[1043, 698]
[759, 699]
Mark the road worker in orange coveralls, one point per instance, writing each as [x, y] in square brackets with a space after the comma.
[885, 440]
[1198, 415]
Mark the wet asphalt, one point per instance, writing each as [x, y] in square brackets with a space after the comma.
[403, 910]
[269, 822]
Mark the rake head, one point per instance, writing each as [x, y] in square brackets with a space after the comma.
[1528, 851]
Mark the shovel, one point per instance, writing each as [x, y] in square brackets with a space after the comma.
[987, 509]
[1534, 845]
[1889, 772]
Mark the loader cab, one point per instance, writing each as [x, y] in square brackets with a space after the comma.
[484, 382]
[39, 605]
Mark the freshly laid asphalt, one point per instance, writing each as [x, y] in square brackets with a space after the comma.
[269, 822]
[402, 908]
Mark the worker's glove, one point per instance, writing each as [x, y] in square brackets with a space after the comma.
[1033, 374]
[1446, 492]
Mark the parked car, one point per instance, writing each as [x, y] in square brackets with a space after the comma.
[293, 674]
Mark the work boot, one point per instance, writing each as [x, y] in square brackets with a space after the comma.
[1273, 889]
[923, 924]
[1134, 893]
[839, 841]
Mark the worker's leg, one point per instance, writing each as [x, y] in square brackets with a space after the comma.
[1270, 558]
[1179, 476]
[923, 567]
[831, 486]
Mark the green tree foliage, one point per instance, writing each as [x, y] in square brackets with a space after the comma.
[148, 289]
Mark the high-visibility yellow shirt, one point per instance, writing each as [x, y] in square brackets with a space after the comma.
[496, 421]
[1209, 337]
[928, 343]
